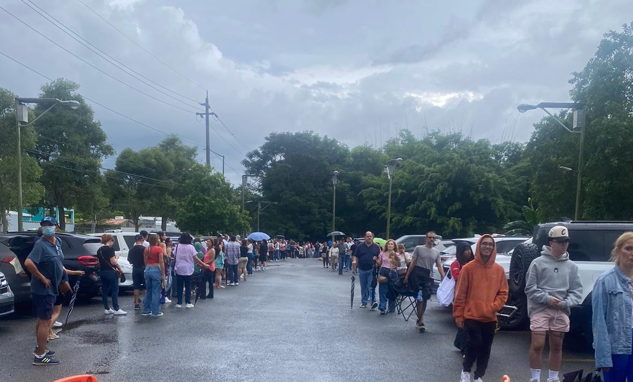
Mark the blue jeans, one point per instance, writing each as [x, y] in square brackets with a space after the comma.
[365, 286]
[232, 276]
[151, 304]
[384, 288]
[341, 264]
[622, 368]
[186, 280]
[249, 265]
[348, 262]
[109, 282]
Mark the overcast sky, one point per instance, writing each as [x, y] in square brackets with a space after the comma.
[354, 70]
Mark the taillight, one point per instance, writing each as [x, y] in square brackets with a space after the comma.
[8, 259]
[88, 261]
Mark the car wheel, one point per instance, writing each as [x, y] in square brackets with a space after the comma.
[519, 318]
[522, 257]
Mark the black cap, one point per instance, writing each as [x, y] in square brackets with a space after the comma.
[138, 237]
[144, 233]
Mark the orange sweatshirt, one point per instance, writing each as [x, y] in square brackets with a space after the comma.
[482, 289]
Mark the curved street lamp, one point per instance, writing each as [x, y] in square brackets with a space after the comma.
[22, 116]
[391, 169]
[579, 128]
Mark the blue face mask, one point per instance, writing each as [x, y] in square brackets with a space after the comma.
[48, 231]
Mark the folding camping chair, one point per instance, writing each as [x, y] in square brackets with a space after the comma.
[406, 303]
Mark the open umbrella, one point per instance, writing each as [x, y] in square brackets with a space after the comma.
[72, 301]
[380, 242]
[258, 236]
[336, 233]
[352, 297]
[280, 237]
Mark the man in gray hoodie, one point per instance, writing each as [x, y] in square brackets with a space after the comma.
[553, 287]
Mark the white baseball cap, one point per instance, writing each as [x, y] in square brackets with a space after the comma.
[558, 232]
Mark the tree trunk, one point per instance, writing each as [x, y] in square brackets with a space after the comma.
[4, 221]
[62, 217]
[135, 221]
[163, 224]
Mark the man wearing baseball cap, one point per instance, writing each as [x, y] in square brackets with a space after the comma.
[553, 287]
[47, 271]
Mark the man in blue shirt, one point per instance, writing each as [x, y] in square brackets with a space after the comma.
[47, 271]
[365, 257]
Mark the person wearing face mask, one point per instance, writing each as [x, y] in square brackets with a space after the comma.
[46, 268]
[109, 281]
[552, 287]
[481, 292]
[612, 303]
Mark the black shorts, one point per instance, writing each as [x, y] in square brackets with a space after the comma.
[43, 306]
[59, 299]
[138, 278]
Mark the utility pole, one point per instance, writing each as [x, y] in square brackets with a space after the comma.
[206, 115]
[260, 209]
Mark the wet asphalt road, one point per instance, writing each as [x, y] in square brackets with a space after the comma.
[290, 323]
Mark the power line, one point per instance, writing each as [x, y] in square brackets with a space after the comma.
[230, 132]
[96, 68]
[120, 114]
[140, 46]
[101, 53]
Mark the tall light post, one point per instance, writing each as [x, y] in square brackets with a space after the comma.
[391, 169]
[22, 116]
[334, 182]
[579, 128]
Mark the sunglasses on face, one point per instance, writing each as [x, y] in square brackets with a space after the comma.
[563, 241]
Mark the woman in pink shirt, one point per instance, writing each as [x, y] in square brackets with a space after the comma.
[389, 260]
[185, 254]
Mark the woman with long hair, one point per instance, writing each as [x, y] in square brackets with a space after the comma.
[389, 260]
[243, 260]
[250, 254]
[263, 254]
[109, 280]
[219, 264]
[612, 303]
[154, 276]
[168, 260]
[208, 275]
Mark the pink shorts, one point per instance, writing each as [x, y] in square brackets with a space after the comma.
[550, 320]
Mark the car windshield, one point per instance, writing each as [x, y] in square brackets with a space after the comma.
[92, 246]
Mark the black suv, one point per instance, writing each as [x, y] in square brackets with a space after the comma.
[590, 248]
[79, 254]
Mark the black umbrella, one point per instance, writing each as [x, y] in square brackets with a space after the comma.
[196, 288]
[280, 237]
[352, 297]
[72, 301]
[336, 233]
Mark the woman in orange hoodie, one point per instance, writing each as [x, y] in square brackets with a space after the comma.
[481, 292]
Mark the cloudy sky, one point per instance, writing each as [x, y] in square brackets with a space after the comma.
[354, 70]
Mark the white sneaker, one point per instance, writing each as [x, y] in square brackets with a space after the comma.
[108, 311]
[533, 380]
[178, 306]
[120, 312]
[167, 301]
[57, 324]
[479, 380]
[465, 377]
[189, 306]
[236, 284]
[552, 380]
[242, 277]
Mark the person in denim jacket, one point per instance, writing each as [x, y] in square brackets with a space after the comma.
[613, 314]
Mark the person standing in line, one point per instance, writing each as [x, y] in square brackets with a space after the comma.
[186, 255]
[480, 294]
[168, 259]
[463, 256]
[250, 255]
[219, 264]
[47, 271]
[196, 279]
[612, 319]
[388, 261]
[348, 254]
[145, 235]
[424, 257]
[232, 259]
[154, 276]
[334, 257]
[263, 254]
[552, 287]
[342, 250]
[243, 260]
[208, 274]
[282, 249]
[135, 257]
[324, 255]
[108, 272]
[364, 258]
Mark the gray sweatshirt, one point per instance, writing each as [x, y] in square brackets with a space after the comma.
[550, 277]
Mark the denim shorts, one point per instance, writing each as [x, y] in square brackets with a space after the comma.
[43, 306]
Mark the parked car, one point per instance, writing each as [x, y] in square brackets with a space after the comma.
[412, 241]
[590, 248]
[6, 297]
[79, 254]
[15, 275]
[123, 241]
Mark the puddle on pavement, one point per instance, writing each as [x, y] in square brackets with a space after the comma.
[89, 321]
[95, 338]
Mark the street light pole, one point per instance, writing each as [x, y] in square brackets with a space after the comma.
[578, 128]
[391, 169]
[260, 209]
[22, 115]
[334, 181]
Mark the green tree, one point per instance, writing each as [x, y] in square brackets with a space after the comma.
[32, 191]
[70, 147]
[210, 205]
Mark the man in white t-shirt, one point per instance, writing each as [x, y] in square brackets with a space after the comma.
[145, 235]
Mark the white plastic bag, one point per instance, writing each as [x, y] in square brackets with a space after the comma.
[446, 292]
